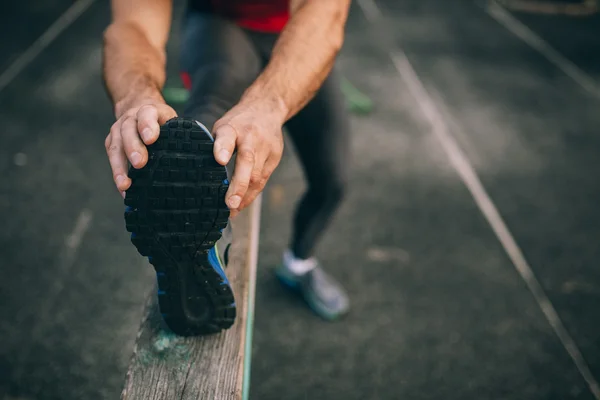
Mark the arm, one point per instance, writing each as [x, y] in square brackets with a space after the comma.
[301, 60]
[303, 56]
[134, 50]
[134, 73]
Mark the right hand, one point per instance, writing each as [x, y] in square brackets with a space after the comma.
[136, 127]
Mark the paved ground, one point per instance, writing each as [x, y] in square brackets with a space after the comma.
[440, 310]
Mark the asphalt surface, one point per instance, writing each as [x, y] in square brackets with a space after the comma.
[439, 309]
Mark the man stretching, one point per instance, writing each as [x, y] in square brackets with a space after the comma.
[252, 67]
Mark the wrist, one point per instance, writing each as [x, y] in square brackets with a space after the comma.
[137, 97]
[266, 101]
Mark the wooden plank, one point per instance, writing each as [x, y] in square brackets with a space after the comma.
[166, 366]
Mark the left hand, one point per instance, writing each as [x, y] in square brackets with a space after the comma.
[254, 129]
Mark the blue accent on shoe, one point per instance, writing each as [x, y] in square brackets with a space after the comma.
[214, 262]
[226, 182]
[128, 208]
[288, 282]
[133, 235]
[322, 293]
[161, 292]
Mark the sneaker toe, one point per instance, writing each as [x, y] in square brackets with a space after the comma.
[325, 295]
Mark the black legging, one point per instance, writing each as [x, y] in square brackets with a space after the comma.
[221, 60]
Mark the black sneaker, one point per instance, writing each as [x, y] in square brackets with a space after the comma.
[176, 213]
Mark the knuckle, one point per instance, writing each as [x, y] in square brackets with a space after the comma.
[246, 155]
[278, 148]
[165, 108]
[219, 124]
[113, 148]
[247, 129]
[274, 149]
[145, 108]
[129, 120]
[256, 177]
[275, 158]
[270, 168]
[266, 174]
[242, 187]
[111, 145]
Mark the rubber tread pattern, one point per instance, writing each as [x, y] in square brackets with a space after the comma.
[176, 211]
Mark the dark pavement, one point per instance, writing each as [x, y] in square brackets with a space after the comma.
[439, 310]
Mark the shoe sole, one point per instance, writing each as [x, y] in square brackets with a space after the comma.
[176, 211]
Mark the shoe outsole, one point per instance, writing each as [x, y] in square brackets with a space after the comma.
[176, 211]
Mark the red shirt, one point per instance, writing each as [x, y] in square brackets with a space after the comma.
[258, 15]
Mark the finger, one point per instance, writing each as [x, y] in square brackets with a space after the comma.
[165, 113]
[147, 123]
[270, 165]
[116, 157]
[267, 171]
[225, 138]
[233, 213]
[257, 183]
[134, 148]
[251, 195]
[244, 164]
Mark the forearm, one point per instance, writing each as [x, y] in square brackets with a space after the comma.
[302, 57]
[134, 69]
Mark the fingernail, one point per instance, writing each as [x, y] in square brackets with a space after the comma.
[224, 155]
[120, 180]
[147, 134]
[234, 201]
[136, 158]
[123, 194]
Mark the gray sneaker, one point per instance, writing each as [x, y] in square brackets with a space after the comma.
[324, 295]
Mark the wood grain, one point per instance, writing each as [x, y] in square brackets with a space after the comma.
[165, 366]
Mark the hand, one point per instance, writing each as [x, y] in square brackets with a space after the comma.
[255, 130]
[139, 118]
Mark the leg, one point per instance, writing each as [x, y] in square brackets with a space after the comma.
[320, 133]
[218, 63]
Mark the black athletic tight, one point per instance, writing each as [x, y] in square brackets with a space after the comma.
[221, 60]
